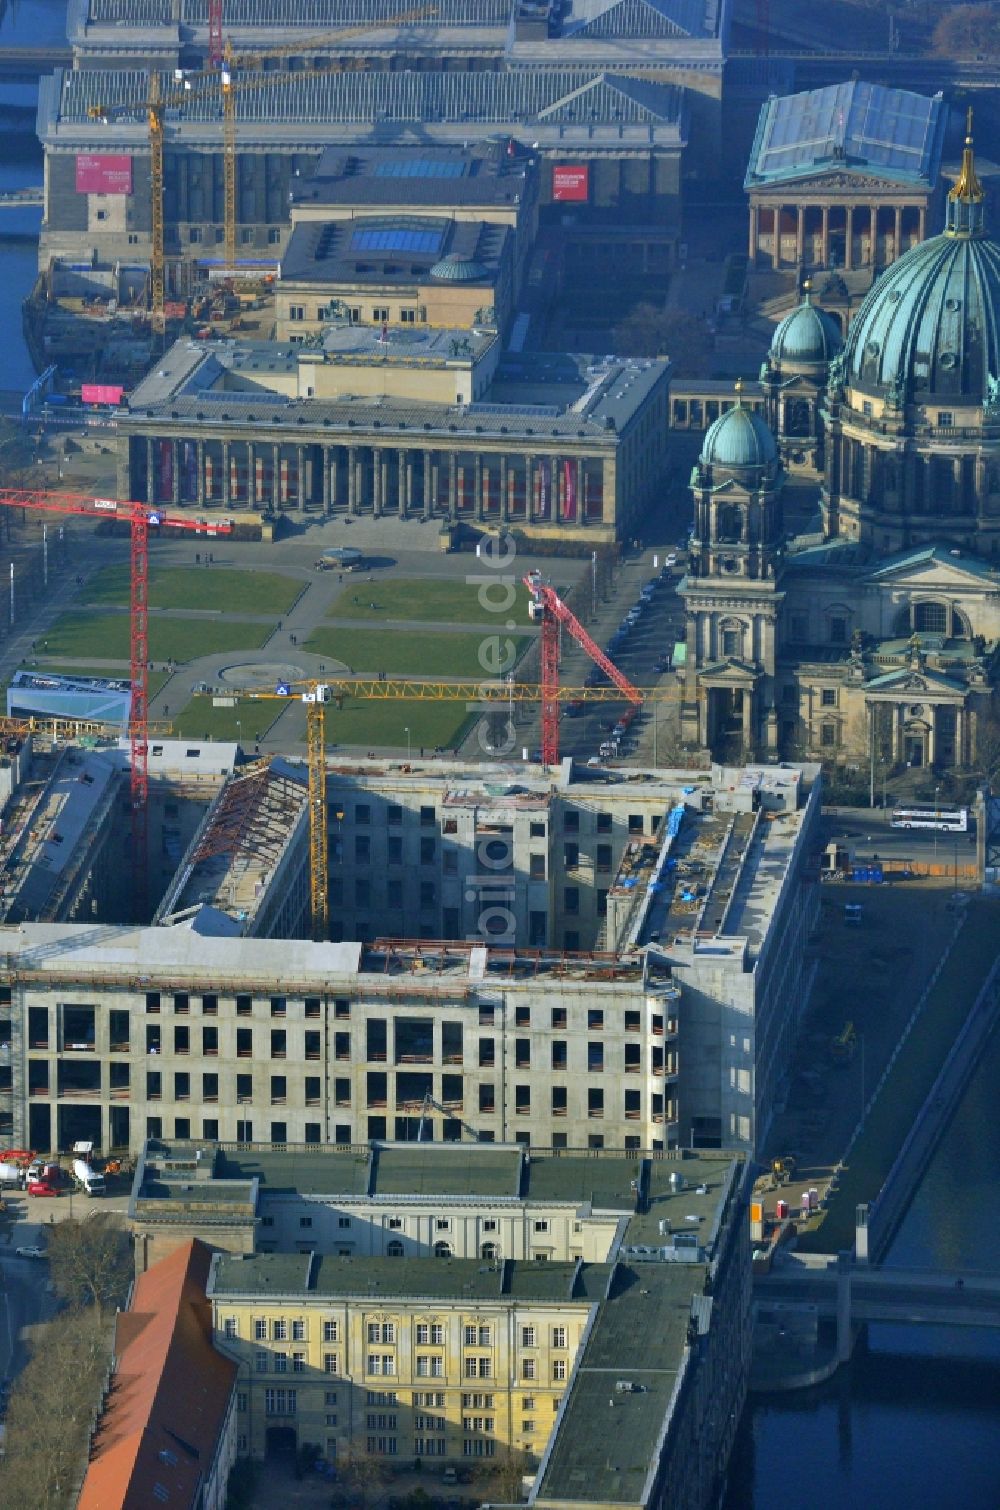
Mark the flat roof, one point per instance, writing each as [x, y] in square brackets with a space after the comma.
[323, 1171]
[384, 251]
[604, 1447]
[682, 1190]
[481, 173]
[549, 394]
[333, 1277]
[892, 133]
[460, 1169]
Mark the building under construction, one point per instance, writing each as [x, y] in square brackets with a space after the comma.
[564, 958]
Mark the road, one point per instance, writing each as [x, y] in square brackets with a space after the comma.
[869, 831]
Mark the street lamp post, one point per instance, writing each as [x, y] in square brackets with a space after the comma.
[936, 820]
[406, 731]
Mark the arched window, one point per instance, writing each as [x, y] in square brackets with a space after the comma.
[729, 524]
[731, 637]
[798, 417]
[442, 1250]
[489, 1252]
[930, 618]
[394, 1249]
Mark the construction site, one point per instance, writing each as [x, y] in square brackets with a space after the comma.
[576, 953]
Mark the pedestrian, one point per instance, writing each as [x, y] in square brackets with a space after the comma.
[45, 645]
[279, 623]
[340, 576]
[355, 597]
[372, 605]
[166, 710]
[211, 559]
[197, 558]
[32, 647]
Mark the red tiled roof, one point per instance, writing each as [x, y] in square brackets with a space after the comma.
[157, 1436]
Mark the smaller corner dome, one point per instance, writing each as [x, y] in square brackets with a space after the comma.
[738, 438]
[807, 334]
[458, 269]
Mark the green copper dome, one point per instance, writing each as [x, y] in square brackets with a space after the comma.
[807, 336]
[738, 438]
[930, 328]
[458, 269]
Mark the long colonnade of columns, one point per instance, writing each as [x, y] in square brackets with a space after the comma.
[861, 235]
[273, 475]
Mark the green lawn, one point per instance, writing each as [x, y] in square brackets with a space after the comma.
[213, 587]
[368, 724]
[915, 1070]
[201, 719]
[432, 601]
[420, 653]
[105, 637]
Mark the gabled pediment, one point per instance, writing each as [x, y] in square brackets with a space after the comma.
[838, 180]
[732, 671]
[933, 569]
[913, 682]
[641, 18]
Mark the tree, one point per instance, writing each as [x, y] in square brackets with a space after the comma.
[365, 1473]
[652, 330]
[968, 31]
[91, 1260]
[51, 1411]
[505, 1475]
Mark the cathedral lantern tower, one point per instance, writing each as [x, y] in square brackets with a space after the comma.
[731, 594]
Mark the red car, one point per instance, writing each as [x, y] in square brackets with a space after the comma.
[42, 1187]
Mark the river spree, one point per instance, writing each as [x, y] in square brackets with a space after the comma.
[914, 1420]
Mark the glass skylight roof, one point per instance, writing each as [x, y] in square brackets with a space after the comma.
[396, 239]
[419, 168]
[893, 130]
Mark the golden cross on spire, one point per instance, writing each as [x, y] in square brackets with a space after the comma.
[967, 188]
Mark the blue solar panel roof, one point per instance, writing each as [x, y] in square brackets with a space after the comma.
[418, 168]
[396, 239]
[895, 133]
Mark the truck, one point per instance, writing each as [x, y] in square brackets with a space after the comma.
[10, 1174]
[87, 1178]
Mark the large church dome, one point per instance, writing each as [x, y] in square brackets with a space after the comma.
[930, 328]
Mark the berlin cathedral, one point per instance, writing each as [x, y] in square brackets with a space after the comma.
[868, 623]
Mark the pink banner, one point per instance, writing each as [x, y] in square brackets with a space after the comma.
[569, 490]
[101, 393]
[103, 173]
[166, 471]
[543, 490]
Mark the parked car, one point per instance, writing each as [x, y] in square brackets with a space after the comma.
[671, 559]
[42, 1187]
[28, 1250]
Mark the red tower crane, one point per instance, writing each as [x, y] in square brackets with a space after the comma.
[554, 614]
[216, 49]
[141, 518]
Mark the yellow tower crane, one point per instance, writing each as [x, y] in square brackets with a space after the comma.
[207, 82]
[233, 61]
